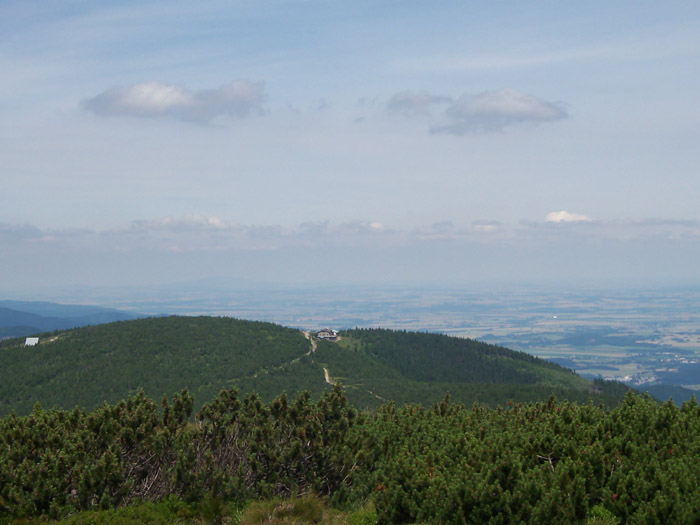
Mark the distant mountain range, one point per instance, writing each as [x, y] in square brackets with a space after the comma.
[86, 366]
[22, 318]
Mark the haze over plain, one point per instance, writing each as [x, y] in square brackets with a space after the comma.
[314, 142]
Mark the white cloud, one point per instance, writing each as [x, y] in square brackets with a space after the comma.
[565, 216]
[487, 226]
[153, 99]
[495, 110]
[190, 222]
[359, 227]
[410, 103]
[478, 232]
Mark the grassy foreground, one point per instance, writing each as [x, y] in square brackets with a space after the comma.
[306, 509]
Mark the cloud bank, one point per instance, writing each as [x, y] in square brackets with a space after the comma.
[565, 216]
[489, 111]
[210, 233]
[411, 104]
[495, 110]
[176, 249]
[237, 99]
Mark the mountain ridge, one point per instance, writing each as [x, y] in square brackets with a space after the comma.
[86, 366]
[23, 318]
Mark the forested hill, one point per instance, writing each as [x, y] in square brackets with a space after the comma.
[86, 366]
[89, 365]
[376, 365]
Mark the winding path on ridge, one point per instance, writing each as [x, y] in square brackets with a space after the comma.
[327, 376]
[307, 334]
[314, 345]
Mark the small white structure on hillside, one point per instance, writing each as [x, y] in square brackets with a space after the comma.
[31, 341]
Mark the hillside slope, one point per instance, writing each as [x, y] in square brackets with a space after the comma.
[21, 318]
[86, 366]
[89, 365]
[374, 365]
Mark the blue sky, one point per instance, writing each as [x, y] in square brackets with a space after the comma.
[390, 142]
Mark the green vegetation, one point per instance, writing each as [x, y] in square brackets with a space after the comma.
[295, 461]
[86, 366]
[408, 367]
[504, 450]
[54, 462]
[214, 510]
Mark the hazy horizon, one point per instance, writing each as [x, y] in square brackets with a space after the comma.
[372, 143]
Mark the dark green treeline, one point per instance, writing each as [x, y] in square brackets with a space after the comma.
[541, 462]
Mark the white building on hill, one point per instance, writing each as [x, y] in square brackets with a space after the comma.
[327, 333]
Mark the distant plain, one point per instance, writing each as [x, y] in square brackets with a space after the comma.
[638, 336]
